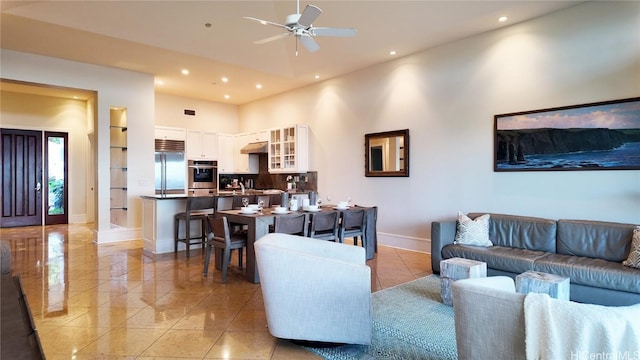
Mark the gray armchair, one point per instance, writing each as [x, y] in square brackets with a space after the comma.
[489, 318]
[315, 290]
[494, 322]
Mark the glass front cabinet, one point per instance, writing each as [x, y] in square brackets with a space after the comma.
[289, 149]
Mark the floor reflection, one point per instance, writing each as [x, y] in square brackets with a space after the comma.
[116, 301]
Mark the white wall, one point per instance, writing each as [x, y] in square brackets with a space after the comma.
[115, 88]
[447, 97]
[216, 117]
[54, 114]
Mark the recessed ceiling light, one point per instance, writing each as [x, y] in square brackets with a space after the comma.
[317, 77]
[75, 97]
[185, 72]
[392, 52]
[503, 18]
[258, 86]
[227, 96]
[160, 82]
[224, 80]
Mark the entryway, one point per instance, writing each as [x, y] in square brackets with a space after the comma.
[23, 173]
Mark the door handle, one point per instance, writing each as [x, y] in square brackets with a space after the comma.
[38, 186]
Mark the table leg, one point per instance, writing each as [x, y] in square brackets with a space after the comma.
[257, 229]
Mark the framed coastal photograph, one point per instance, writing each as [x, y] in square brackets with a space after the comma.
[596, 136]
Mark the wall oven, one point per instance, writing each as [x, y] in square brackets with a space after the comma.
[202, 175]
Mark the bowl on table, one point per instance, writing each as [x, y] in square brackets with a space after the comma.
[279, 210]
[248, 210]
[313, 208]
[342, 205]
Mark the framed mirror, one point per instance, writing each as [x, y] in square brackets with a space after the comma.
[387, 153]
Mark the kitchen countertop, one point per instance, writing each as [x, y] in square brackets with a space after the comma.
[219, 193]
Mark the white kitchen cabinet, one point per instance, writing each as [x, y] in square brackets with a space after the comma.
[226, 153]
[289, 149]
[244, 163]
[169, 133]
[259, 136]
[202, 145]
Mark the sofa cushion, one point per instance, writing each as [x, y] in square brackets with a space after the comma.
[596, 239]
[521, 232]
[634, 254]
[507, 259]
[591, 272]
[472, 232]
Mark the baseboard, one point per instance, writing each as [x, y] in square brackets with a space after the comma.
[404, 242]
[117, 234]
[78, 219]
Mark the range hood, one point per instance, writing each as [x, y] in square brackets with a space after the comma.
[261, 147]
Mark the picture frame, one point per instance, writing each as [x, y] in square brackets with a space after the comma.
[595, 136]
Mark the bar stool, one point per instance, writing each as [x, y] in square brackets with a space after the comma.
[197, 210]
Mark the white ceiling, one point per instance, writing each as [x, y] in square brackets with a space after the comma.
[164, 37]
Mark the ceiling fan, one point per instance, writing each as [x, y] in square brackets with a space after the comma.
[299, 25]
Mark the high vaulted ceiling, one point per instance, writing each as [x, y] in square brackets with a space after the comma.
[164, 37]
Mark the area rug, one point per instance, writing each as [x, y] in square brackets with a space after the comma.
[409, 322]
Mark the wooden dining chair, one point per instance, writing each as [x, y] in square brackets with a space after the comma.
[352, 225]
[218, 235]
[197, 209]
[296, 224]
[324, 226]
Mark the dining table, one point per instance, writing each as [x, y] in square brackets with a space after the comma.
[258, 224]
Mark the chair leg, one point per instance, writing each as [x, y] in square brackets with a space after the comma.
[225, 264]
[176, 225]
[207, 256]
[240, 251]
[187, 235]
[203, 232]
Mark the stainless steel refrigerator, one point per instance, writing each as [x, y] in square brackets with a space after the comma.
[170, 169]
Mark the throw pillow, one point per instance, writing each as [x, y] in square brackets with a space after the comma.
[473, 232]
[634, 255]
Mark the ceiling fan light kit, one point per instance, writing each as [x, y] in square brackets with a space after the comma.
[299, 25]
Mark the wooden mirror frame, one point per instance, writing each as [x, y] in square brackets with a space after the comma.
[403, 153]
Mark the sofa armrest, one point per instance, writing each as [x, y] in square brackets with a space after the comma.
[442, 234]
[484, 306]
[324, 249]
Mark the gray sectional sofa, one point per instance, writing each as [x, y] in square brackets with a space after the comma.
[590, 253]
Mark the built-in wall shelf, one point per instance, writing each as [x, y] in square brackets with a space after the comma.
[118, 167]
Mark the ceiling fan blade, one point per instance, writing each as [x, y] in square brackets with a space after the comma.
[309, 43]
[266, 22]
[329, 31]
[272, 38]
[309, 15]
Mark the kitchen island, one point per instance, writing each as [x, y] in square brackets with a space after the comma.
[158, 216]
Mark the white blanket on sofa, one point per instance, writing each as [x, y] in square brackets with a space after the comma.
[560, 329]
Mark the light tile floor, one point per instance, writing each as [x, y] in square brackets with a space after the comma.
[114, 301]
